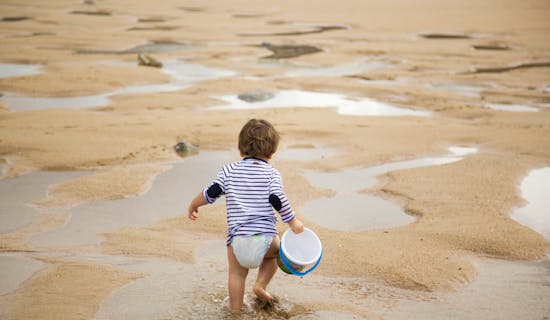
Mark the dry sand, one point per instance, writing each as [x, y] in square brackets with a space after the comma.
[462, 208]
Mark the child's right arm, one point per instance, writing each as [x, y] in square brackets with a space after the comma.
[206, 196]
[193, 210]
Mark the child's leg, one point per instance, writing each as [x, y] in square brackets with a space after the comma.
[236, 281]
[267, 271]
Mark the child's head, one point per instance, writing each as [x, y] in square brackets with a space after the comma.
[259, 139]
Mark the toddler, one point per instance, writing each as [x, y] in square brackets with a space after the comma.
[252, 188]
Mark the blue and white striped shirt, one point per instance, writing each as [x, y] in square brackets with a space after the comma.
[250, 187]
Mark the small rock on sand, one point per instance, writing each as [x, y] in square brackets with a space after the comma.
[184, 148]
[146, 60]
[256, 96]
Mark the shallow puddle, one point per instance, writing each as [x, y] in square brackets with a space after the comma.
[535, 214]
[310, 99]
[511, 107]
[358, 211]
[156, 295]
[17, 193]
[18, 103]
[15, 269]
[501, 290]
[168, 197]
[8, 70]
[184, 75]
[305, 154]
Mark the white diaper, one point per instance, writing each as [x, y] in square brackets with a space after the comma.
[250, 250]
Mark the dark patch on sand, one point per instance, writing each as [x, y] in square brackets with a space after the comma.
[192, 9]
[491, 46]
[247, 15]
[34, 34]
[521, 65]
[92, 13]
[445, 36]
[14, 19]
[313, 30]
[288, 51]
[151, 20]
[155, 28]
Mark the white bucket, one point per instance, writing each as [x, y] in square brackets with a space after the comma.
[298, 251]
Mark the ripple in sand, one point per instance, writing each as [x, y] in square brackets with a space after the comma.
[184, 75]
[8, 70]
[534, 189]
[359, 211]
[309, 99]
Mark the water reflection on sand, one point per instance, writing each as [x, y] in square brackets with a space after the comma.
[359, 211]
[183, 74]
[310, 99]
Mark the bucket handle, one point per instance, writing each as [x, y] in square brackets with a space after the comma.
[297, 273]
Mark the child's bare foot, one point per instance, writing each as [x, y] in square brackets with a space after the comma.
[262, 294]
[266, 305]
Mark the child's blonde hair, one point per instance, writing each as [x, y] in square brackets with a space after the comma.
[258, 138]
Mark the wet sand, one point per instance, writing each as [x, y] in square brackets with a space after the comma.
[93, 194]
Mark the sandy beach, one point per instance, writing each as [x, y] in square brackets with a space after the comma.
[415, 143]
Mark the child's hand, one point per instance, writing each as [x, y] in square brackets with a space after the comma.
[296, 225]
[193, 212]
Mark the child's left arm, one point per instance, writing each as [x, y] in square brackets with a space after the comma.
[296, 225]
[193, 210]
